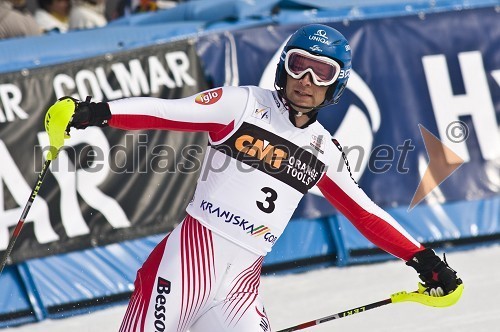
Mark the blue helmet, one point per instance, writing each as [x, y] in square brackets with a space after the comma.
[322, 40]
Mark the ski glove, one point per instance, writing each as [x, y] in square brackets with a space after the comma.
[69, 112]
[89, 114]
[438, 277]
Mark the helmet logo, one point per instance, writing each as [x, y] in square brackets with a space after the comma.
[321, 33]
[315, 48]
[320, 36]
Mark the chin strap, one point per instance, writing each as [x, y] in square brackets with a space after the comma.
[293, 113]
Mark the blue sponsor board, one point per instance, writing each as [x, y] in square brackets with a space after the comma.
[411, 75]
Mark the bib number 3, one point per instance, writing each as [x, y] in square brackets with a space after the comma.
[268, 205]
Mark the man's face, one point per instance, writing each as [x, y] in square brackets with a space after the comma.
[304, 93]
[60, 7]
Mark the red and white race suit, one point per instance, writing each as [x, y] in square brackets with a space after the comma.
[205, 275]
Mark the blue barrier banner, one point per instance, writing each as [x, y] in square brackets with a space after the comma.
[421, 109]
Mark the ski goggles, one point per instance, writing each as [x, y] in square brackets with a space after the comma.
[324, 71]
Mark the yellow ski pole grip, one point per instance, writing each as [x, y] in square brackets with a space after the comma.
[403, 296]
[57, 119]
[432, 301]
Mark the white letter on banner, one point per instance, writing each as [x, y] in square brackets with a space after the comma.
[476, 102]
[133, 82]
[496, 76]
[179, 64]
[11, 97]
[103, 82]
[64, 171]
[86, 182]
[158, 75]
[82, 78]
[20, 191]
[62, 80]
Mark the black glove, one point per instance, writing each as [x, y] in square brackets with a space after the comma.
[89, 114]
[438, 277]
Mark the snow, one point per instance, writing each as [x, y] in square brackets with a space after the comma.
[297, 298]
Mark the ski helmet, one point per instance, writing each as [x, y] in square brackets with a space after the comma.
[322, 41]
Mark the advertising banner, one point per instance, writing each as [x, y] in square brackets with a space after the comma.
[419, 120]
[106, 185]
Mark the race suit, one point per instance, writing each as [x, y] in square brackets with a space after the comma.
[204, 276]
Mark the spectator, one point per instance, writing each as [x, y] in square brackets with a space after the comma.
[53, 15]
[119, 8]
[31, 6]
[14, 22]
[151, 5]
[116, 9]
[87, 14]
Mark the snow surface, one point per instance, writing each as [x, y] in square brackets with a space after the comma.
[297, 298]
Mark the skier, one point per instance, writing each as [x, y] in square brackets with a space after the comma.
[266, 150]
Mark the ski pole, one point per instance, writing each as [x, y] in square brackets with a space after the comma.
[27, 207]
[403, 296]
[337, 316]
[57, 120]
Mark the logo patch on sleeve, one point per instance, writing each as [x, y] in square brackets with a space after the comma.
[262, 112]
[318, 143]
[209, 97]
